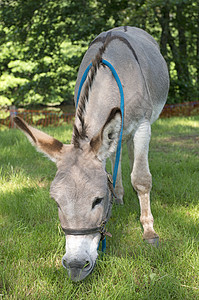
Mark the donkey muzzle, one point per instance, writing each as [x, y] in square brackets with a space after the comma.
[77, 269]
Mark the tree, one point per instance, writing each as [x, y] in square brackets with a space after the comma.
[174, 24]
[42, 43]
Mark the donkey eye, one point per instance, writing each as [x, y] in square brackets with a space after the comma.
[96, 202]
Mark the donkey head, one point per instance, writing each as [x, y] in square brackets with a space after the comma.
[80, 189]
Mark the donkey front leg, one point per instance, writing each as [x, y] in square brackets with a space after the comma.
[119, 190]
[142, 180]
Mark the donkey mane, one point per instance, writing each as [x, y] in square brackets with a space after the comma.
[81, 133]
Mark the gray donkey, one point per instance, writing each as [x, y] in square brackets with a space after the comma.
[82, 188]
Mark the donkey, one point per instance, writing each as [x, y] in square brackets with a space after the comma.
[82, 188]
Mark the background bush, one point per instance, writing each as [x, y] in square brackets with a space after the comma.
[42, 43]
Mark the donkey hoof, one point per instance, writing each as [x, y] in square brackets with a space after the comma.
[153, 241]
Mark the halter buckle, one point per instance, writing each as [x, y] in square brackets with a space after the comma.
[110, 178]
[103, 231]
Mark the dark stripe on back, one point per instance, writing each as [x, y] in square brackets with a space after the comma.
[111, 38]
[101, 39]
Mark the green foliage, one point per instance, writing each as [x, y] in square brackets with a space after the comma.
[5, 101]
[43, 41]
[19, 67]
[50, 79]
[32, 242]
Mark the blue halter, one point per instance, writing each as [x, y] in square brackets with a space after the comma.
[117, 158]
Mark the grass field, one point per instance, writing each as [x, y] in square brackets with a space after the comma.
[32, 242]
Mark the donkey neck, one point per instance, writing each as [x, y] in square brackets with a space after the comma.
[103, 96]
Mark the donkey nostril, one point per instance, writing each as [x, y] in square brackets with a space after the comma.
[64, 264]
[87, 265]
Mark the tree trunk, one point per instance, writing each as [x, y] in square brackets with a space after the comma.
[197, 57]
[183, 71]
[165, 32]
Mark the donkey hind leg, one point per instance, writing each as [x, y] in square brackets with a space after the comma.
[119, 190]
[141, 180]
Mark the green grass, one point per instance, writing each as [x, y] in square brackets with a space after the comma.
[32, 243]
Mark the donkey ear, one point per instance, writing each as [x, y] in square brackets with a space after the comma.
[42, 141]
[105, 142]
